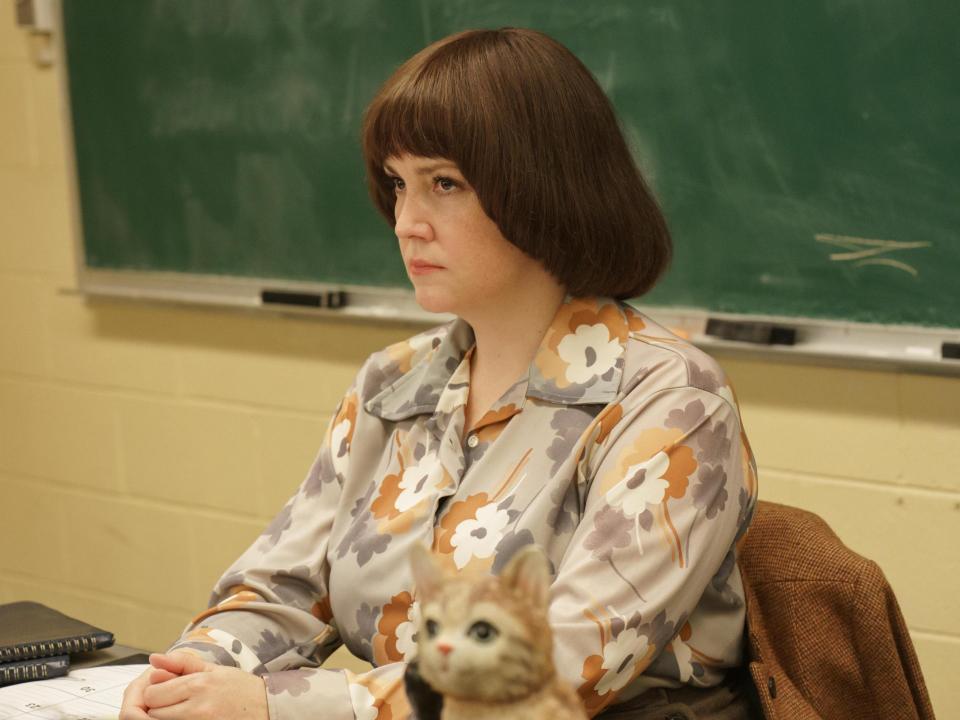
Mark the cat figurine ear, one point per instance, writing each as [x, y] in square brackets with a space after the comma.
[427, 573]
[528, 573]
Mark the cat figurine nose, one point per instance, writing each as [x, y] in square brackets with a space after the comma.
[444, 648]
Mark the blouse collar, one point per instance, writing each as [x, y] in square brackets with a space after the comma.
[579, 361]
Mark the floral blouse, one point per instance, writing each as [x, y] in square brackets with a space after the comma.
[620, 453]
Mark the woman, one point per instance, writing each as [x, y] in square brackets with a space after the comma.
[547, 413]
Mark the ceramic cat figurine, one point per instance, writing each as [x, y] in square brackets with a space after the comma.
[485, 645]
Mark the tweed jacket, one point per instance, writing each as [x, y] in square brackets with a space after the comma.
[826, 638]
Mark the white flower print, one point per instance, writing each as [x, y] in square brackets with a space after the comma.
[643, 485]
[620, 657]
[417, 482]
[363, 702]
[589, 352]
[479, 537]
[406, 631]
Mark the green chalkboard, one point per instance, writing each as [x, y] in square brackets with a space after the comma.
[807, 154]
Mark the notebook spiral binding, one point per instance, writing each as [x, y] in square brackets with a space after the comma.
[18, 673]
[54, 647]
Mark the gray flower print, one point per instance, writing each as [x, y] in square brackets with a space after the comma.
[276, 528]
[714, 443]
[569, 424]
[367, 618]
[703, 379]
[687, 418]
[293, 587]
[270, 646]
[611, 531]
[563, 516]
[294, 682]
[710, 493]
[509, 544]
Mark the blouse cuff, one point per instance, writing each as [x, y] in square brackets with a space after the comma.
[302, 693]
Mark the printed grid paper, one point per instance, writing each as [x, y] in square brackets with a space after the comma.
[88, 694]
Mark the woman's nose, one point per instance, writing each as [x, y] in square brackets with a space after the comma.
[412, 219]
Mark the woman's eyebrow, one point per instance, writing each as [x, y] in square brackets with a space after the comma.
[427, 169]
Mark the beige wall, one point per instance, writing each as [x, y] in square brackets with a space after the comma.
[142, 447]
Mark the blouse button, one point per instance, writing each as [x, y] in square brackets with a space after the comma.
[473, 441]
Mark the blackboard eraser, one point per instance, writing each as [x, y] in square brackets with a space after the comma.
[757, 333]
[950, 351]
[333, 299]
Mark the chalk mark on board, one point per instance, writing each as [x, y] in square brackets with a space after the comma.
[863, 251]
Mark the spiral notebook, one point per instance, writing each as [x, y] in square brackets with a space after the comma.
[30, 630]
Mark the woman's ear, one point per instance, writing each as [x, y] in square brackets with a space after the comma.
[528, 573]
[427, 573]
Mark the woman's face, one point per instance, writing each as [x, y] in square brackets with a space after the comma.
[455, 255]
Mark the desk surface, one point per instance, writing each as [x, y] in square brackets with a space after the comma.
[115, 654]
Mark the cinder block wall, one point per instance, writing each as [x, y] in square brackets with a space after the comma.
[143, 447]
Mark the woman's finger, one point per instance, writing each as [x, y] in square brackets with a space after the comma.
[178, 663]
[132, 707]
[133, 713]
[166, 693]
[159, 676]
[181, 711]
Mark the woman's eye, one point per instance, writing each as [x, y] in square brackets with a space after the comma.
[432, 628]
[445, 184]
[482, 631]
[396, 184]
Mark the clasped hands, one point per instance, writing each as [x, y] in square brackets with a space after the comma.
[181, 686]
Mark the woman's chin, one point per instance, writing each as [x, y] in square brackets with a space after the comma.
[432, 301]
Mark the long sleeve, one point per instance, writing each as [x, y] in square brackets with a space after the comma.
[270, 612]
[667, 491]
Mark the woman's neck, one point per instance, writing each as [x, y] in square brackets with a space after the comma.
[507, 336]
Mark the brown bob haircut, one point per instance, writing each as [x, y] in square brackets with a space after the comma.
[537, 139]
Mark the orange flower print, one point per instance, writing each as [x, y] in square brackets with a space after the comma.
[459, 512]
[405, 494]
[608, 418]
[394, 641]
[620, 659]
[635, 321]
[639, 451]
[341, 434]
[407, 353]
[364, 702]
[322, 609]
[624, 655]
[584, 342]
[237, 601]
[493, 422]
[479, 536]
[591, 673]
[377, 697]
[648, 473]
[588, 352]
[385, 504]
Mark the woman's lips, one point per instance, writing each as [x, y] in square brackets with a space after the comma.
[419, 267]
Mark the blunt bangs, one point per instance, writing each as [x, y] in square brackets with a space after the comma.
[537, 139]
[423, 111]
